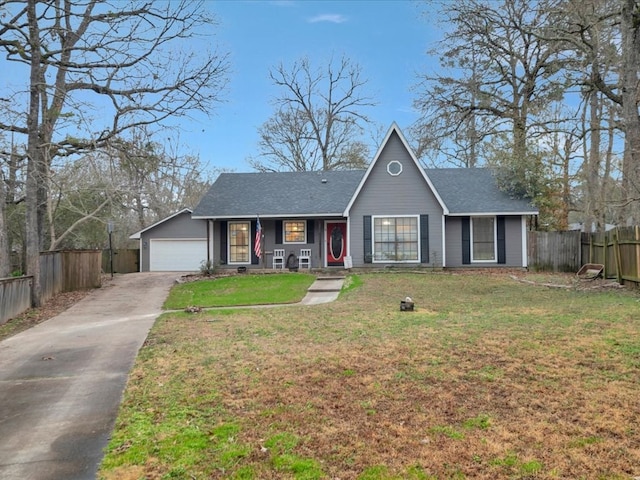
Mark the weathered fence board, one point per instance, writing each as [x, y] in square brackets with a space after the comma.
[15, 297]
[125, 260]
[64, 271]
[618, 250]
[51, 281]
[81, 269]
[554, 251]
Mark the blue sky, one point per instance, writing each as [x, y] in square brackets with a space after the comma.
[388, 39]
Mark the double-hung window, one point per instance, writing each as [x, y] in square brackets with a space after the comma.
[396, 239]
[483, 239]
[295, 231]
[239, 242]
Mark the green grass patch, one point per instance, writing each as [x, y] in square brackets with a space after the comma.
[520, 381]
[240, 290]
[448, 431]
[481, 422]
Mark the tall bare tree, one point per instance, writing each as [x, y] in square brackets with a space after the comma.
[604, 38]
[320, 119]
[497, 75]
[5, 262]
[95, 70]
[630, 99]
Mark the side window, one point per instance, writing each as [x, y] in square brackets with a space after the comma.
[295, 231]
[483, 239]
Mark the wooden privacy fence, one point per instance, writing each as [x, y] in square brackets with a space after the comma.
[618, 250]
[554, 251]
[125, 260]
[64, 271]
[15, 297]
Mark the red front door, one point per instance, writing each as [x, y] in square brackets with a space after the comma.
[336, 243]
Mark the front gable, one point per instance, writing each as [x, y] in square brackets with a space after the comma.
[395, 190]
[395, 160]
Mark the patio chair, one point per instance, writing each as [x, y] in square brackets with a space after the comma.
[278, 258]
[304, 260]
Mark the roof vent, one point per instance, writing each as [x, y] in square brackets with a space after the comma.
[324, 180]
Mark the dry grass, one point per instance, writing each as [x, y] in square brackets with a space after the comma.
[489, 378]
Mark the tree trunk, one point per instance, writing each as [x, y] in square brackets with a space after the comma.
[5, 259]
[34, 159]
[593, 162]
[630, 32]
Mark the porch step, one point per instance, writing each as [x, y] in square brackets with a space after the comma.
[327, 284]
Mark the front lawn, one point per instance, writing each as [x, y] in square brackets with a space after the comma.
[489, 378]
[240, 290]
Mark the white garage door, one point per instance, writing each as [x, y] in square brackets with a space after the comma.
[177, 255]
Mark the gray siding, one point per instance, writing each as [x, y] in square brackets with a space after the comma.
[405, 194]
[180, 226]
[269, 238]
[453, 232]
[513, 234]
[513, 243]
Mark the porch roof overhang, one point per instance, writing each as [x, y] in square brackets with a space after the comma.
[269, 216]
[489, 214]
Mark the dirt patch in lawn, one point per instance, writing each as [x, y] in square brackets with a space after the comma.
[488, 378]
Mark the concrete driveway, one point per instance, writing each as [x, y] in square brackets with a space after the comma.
[61, 382]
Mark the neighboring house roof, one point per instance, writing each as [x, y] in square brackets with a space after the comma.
[136, 236]
[472, 191]
[245, 195]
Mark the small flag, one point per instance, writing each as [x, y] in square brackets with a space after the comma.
[257, 246]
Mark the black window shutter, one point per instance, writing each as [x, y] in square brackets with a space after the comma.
[368, 257]
[254, 259]
[223, 243]
[424, 238]
[466, 240]
[501, 234]
[311, 238]
[278, 232]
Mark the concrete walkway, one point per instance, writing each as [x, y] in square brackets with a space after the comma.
[323, 290]
[61, 382]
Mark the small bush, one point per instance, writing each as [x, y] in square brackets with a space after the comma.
[208, 267]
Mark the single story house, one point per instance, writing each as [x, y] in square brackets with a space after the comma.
[394, 213]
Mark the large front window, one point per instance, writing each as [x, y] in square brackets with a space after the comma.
[483, 238]
[295, 231]
[395, 239]
[239, 238]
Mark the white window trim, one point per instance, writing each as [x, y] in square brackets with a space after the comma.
[373, 239]
[495, 239]
[284, 232]
[394, 162]
[229, 262]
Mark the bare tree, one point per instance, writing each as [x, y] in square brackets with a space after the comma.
[604, 38]
[630, 99]
[96, 70]
[498, 75]
[132, 183]
[5, 262]
[319, 120]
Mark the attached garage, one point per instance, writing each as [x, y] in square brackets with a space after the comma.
[175, 244]
[176, 255]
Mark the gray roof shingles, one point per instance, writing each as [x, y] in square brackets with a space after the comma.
[279, 194]
[244, 195]
[474, 191]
